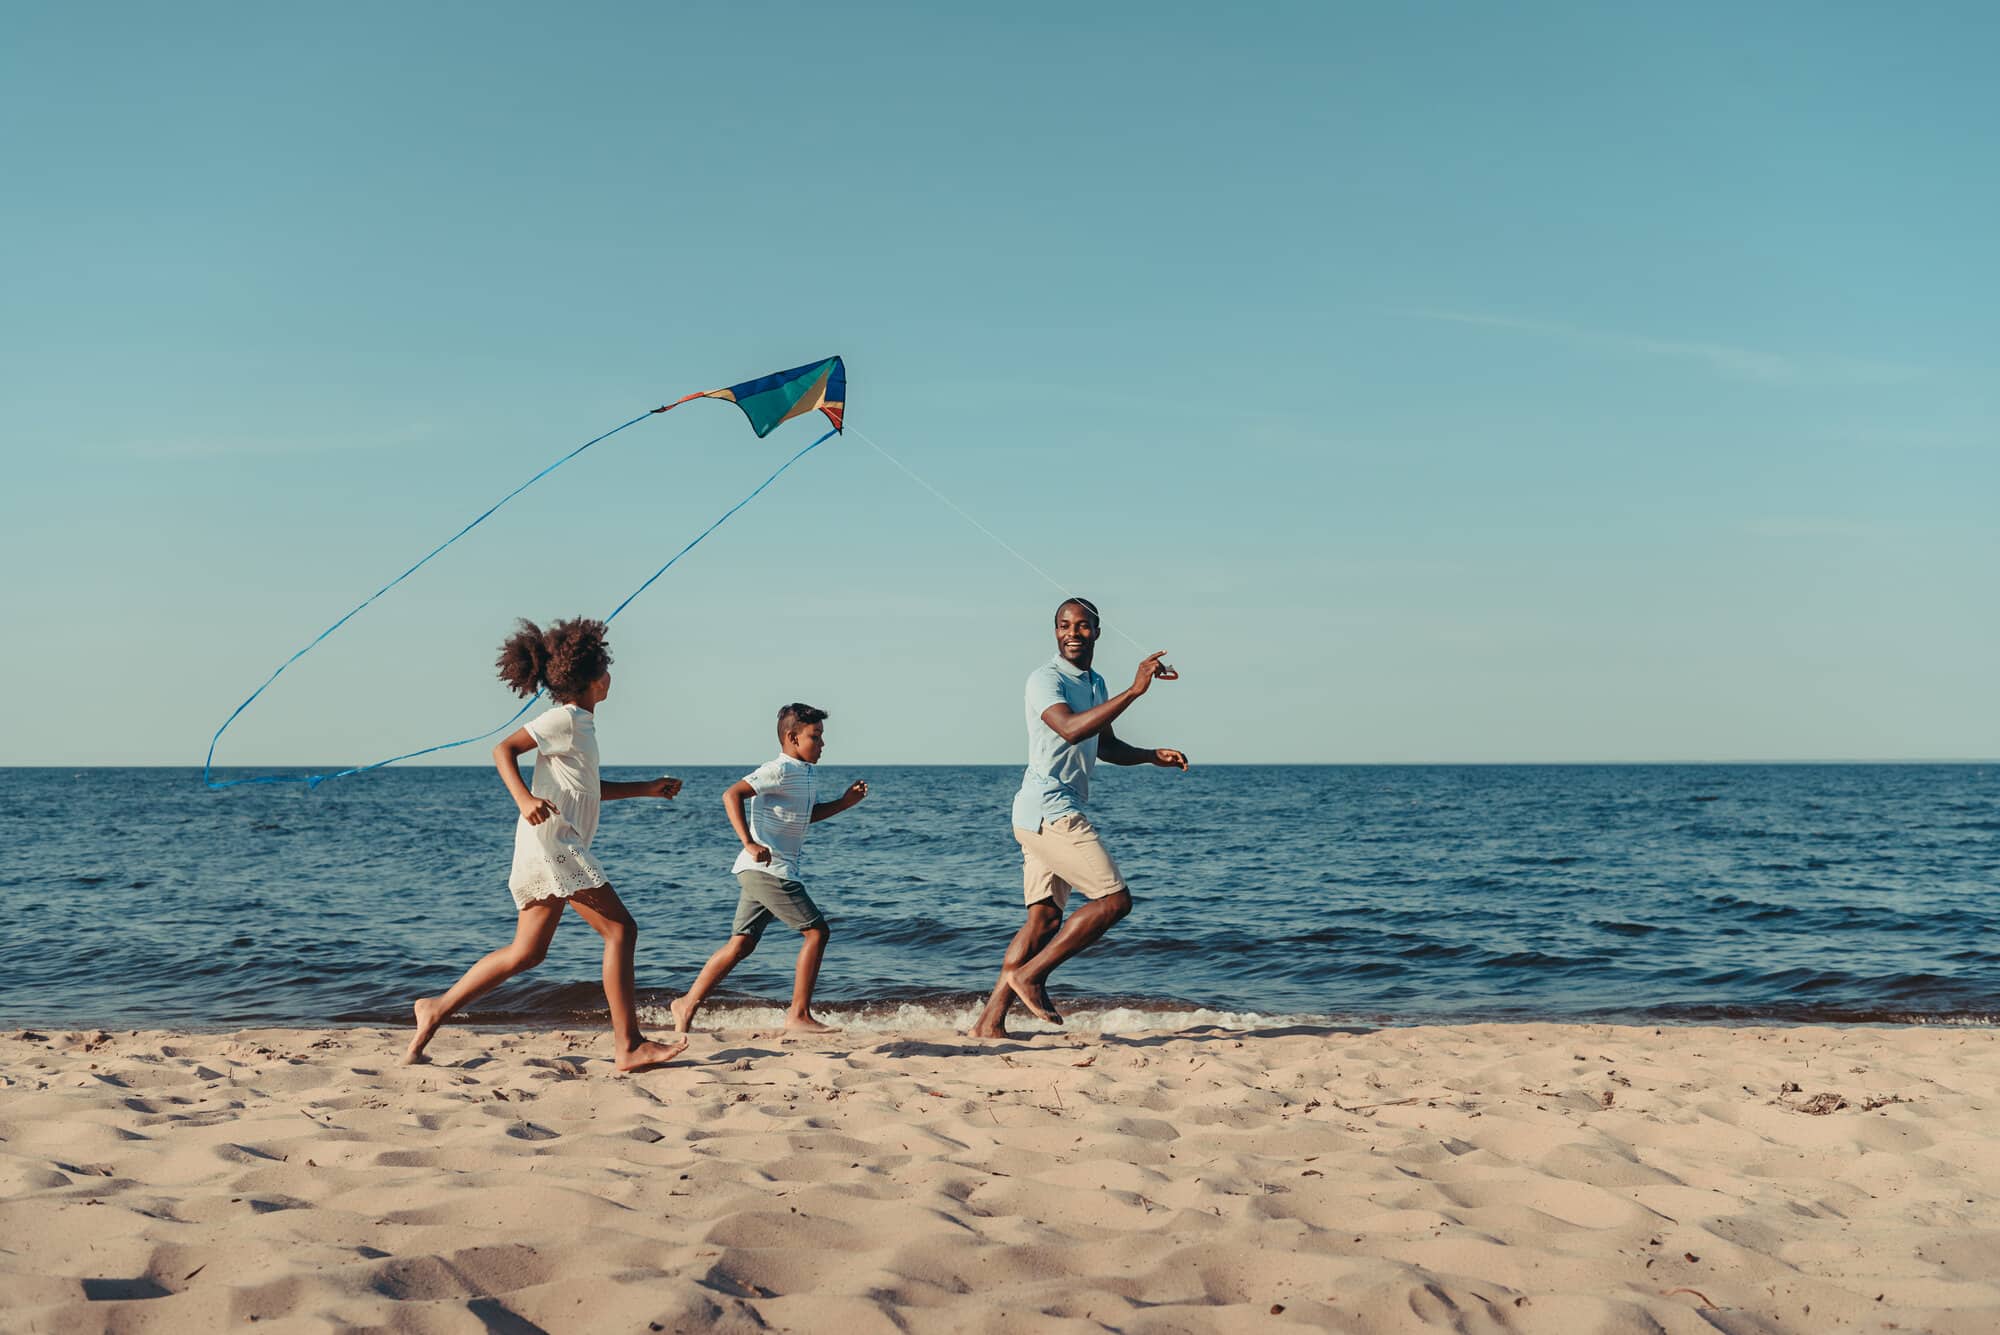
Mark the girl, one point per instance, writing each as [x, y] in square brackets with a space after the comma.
[552, 861]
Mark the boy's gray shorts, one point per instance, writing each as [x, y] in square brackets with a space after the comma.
[766, 897]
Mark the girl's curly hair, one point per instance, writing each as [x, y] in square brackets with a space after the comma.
[565, 659]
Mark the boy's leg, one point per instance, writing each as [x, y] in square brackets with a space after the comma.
[1043, 919]
[733, 952]
[532, 932]
[811, 950]
[744, 933]
[603, 910]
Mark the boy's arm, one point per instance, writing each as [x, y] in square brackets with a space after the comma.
[1074, 727]
[855, 792]
[611, 790]
[733, 798]
[1114, 752]
[507, 753]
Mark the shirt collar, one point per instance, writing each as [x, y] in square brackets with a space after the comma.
[1073, 673]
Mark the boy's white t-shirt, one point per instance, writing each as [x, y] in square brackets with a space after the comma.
[778, 816]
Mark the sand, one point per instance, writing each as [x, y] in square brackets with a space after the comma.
[1522, 1177]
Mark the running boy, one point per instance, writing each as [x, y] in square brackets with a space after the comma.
[781, 796]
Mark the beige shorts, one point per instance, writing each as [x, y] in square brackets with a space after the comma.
[1064, 855]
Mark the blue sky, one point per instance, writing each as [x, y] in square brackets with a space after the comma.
[1437, 382]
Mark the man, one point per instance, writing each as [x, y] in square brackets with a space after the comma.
[1069, 729]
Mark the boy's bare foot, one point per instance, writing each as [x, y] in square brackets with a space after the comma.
[426, 1009]
[806, 1024]
[1034, 996]
[646, 1054]
[683, 1015]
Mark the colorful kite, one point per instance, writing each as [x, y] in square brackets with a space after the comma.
[773, 400]
[767, 402]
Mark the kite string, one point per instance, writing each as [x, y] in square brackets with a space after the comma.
[719, 523]
[314, 780]
[209, 762]
[1008, 547]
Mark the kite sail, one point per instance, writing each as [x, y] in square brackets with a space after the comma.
[768, 402]
[772, 400]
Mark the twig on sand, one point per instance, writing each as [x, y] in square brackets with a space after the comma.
[1363, 1109]
[1706, 1301]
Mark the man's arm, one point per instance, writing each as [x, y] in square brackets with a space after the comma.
[1112, 751]
[1074, 727]
[855, 792]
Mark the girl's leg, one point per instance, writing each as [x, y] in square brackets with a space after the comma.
[734, 951]
[603, 910]
[811, 951]
[532, 933]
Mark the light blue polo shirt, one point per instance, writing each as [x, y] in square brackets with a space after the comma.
[1057, 780]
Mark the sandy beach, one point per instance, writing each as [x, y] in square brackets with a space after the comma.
[1520, 1177]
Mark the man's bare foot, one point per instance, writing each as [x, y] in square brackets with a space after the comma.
[995, 1030]
[646, 1054]
[1034, 996]
[683, 1015]
[806, 1024]
[428, 1019]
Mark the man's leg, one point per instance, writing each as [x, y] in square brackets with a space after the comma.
[1043, 919]
[1084, 927]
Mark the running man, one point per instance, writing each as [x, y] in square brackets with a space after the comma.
[1069, 730]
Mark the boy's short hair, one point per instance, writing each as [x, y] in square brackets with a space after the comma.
[795, 716]
[1085, 604]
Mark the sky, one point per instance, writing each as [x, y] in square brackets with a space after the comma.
[1437, 383]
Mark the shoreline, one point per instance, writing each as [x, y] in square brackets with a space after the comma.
[1525, 1176]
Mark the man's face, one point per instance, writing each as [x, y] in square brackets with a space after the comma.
[1076, 634]
[809, 742]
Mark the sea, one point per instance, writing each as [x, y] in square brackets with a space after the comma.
[1364, 895]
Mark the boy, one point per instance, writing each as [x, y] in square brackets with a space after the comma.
[780, 794]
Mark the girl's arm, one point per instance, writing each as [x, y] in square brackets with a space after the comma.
[507, 753]
[733, 799]
[611, 790]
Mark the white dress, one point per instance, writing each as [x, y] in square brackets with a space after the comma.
[553, 859]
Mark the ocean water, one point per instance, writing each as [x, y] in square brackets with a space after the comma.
[1351, 894]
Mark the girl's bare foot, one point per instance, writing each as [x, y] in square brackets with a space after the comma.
[806, 1024]
[683, 1015]
[428, 1019]
[646, 1054]
[1034, 996]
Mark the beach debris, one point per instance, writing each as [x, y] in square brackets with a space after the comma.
[1689, 1257]
[1874, 1101]
[1706, 1301]
[1087, 1061]
[1819, 1105]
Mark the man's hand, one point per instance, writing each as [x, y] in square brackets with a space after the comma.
[758, 853]
[1168, 758]
[537, 809]
[664, 786]
[855, 792]
[1151, 669]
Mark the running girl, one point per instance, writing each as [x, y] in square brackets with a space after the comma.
[552, 861]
